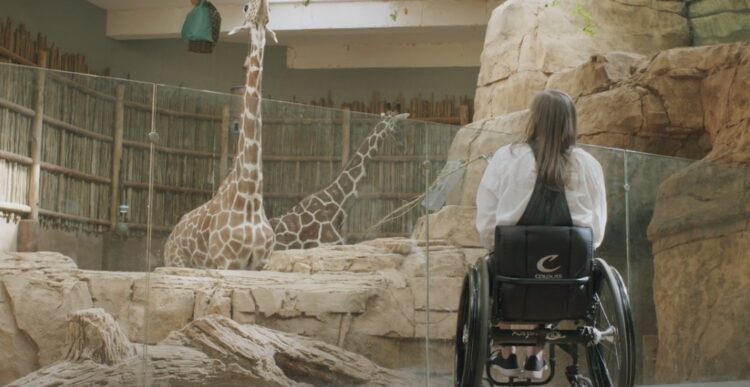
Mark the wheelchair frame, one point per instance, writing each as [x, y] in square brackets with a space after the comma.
[479, 314]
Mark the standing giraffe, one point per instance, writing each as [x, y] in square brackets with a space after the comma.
[318, 218]
[231, 230]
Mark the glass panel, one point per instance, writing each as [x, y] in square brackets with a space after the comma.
[614, 247]
[68, 177]
[698, 236]
[448, 247]
[453, 224]
[356, 303]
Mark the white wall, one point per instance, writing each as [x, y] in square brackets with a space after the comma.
[8, 235]
[77, 26]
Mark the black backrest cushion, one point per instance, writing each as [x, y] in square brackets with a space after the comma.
[543, 251]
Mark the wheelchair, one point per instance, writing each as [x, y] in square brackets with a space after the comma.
[545, 276]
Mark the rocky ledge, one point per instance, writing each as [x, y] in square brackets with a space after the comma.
[369, 299]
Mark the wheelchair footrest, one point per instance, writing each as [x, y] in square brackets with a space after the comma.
[582, 335]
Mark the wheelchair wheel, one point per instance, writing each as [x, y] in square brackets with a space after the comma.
[472, 328]
[612, 360]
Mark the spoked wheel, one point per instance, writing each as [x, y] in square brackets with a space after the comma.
[472, 328]
[612, 360]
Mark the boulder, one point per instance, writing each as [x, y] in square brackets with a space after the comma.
[362, 298]
[701, 235]
[675, 103]
[527, 41]
[719, 21]
[40, 302]
[20, 350]
[451, 223]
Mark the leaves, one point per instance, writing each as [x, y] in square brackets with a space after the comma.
[588, 20]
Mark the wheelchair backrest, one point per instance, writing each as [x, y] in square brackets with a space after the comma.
[541, 273]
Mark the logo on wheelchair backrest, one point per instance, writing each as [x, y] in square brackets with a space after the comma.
[541, 265]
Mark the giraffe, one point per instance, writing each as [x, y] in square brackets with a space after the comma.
[231, 230]
[318, 218]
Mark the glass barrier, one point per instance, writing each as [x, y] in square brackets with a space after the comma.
[645, 173]
[341, 192]
[667, 219]
[121, 171]
[73, 172]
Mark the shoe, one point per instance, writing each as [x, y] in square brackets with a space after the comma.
[507, 367]
[534, 367]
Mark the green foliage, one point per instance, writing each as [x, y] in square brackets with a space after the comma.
[588, 20]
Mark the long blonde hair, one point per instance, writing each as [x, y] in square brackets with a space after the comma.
[552, 131]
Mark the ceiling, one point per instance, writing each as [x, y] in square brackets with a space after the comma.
[332, 24]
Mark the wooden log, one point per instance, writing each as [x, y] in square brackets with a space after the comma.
[76, 218]
[212, 350]
[74, 173]
[361, 196]
[54, 121]
[14, 207]
[300, 158]
[6, 52]
[346, 129]
[463, 114]
[16, 158]
[144, 227]
[95, 336]
[77, 129]
[36, 139]
[169, 112]
[373, 235]
[408, 158]
[117, 155]
[224, 145]
[4, 103]
[81, 87]
[164, 149]
[168, 188]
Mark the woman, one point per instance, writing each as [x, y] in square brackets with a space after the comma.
[543, 178]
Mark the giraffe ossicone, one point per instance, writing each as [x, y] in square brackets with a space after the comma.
[231, 230]
[318, 219]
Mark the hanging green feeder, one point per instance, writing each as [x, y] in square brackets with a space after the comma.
[202, 26]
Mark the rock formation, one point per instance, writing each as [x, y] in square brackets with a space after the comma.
[719, 21]
[638, 87]
[528, 40]
[701, 238]
[211, 350]
[369, 299]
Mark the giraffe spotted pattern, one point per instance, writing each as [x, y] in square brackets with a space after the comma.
[318, 218]
[231, 230]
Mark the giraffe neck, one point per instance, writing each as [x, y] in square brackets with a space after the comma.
[345, 185]
[248, 161]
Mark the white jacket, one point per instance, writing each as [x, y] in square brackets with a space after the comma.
[508, 181]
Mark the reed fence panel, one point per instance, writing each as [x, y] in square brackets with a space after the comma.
[80, 185]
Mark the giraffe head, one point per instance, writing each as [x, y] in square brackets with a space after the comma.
[256, 15]
[389, 122]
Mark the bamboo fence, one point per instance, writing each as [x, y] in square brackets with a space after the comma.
[19, 45]
[74, 147]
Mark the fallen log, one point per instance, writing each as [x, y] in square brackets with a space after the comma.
[212, 350]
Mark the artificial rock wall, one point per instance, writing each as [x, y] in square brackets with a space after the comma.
[719, 21]
[639, 85]
[369, 299]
